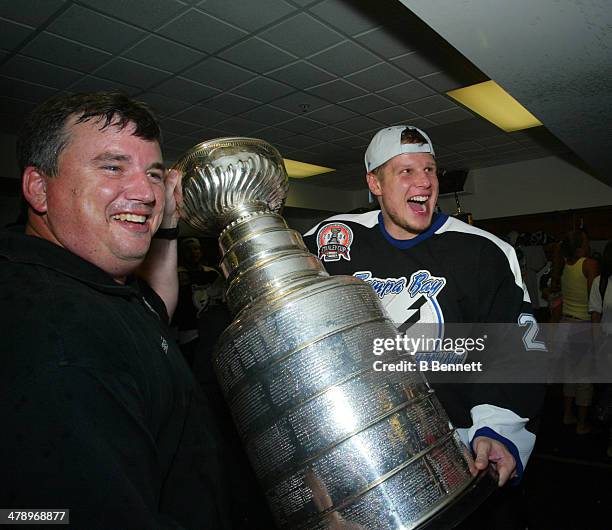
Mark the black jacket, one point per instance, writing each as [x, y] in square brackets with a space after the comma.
[99, 412]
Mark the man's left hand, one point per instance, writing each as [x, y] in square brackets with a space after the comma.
[489, 450]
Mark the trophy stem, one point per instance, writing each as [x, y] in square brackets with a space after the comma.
[262, 256]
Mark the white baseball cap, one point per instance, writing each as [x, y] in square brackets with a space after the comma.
[387, 143]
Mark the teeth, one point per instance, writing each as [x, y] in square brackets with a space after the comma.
[418, 198]
[133, 218]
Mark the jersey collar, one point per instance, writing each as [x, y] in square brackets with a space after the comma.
[437, 221]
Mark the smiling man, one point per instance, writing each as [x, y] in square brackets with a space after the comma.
[429, 268]
[100, 413]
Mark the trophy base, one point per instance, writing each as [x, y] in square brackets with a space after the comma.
[466, 503]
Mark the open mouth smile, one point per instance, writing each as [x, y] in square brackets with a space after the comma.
[417, 203]
[130, 217]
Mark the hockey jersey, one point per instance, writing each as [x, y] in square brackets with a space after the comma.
[451, 273]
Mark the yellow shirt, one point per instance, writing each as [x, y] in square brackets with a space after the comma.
[575, 292]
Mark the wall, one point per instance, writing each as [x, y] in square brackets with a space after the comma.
[303, 195]
[542, 185]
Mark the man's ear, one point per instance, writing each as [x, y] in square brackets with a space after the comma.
[34, 186]
[373, 184]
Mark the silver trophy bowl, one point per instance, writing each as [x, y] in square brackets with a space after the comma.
[334, 443]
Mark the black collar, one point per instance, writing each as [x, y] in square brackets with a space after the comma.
[17, 247]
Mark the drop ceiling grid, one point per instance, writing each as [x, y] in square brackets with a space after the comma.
[250, 72]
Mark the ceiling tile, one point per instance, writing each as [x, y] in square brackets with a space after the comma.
[465, 146]
[337, 90]
[300, 141]
[359, 125]
[304, 3]
[325, 148]
[218, 74]
[295, 102]
[331, 114]
[12, 114]
[473, 129]
[441, 81]
[13, 106]
[422, 123]
[300, 125]
[201, 31]
[499, 139]
[328, 133]
[171, 155]
[90, 83]
[417, 65]
[353, 142]
[265, 89]
[430, 105]
[248, 15]
[109, 34]
[268, 115]
[179, 127]
[181, 143]
[302, 35]
[230, 103]
[273, 135]
[202, 116]
[12, 34]
[303, 156]
[378, 77]
[385, 42]
[32, 12]
[393, 115]
[162, 105]
[17, 89]
[301, 75]
[405, 92]
[344, 58]
[206, 133]
[184, 89]
[64, 52]
[131, 73]
[143, 13]
[450, 116]
[367, 104]
[348, 18]
[257, 55]
[163, 53]
[508, 148]
[239, 126]
[39, 72]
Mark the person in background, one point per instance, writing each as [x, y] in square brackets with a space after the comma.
[579, 272]
[99, 412]
[407, 245]
[200, 288]
[600, 308]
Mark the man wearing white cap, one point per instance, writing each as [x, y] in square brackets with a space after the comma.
[430, 268]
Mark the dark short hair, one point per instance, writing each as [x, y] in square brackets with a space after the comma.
[43, 136]
[572, 242]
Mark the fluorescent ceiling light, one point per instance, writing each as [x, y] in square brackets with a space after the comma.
[300, 170]
[493, 103]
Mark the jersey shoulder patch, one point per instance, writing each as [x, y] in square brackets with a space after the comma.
[334, 240]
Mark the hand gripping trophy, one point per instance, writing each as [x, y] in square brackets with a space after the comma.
[334, 443]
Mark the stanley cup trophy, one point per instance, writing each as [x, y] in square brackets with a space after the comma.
[334, 444]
